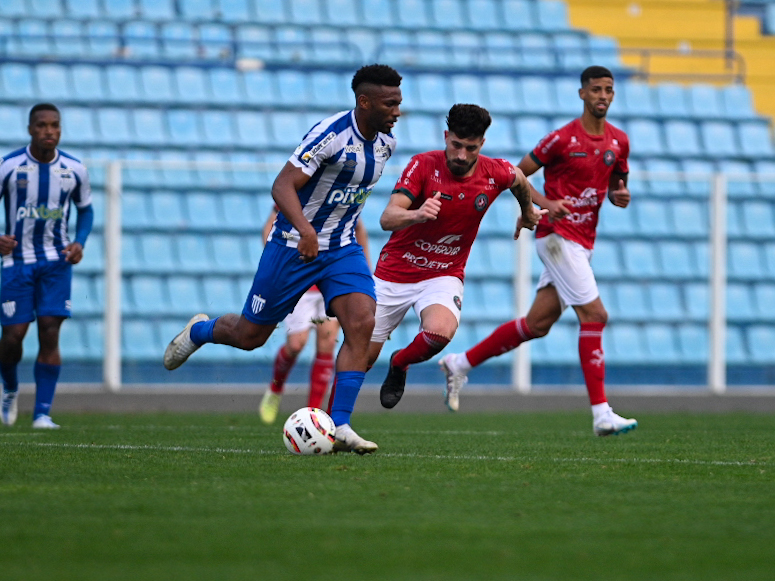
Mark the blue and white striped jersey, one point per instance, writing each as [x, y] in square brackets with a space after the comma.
[344, 168]
[36, 199]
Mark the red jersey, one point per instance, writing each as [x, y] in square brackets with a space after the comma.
[440, 247]
[577, 167]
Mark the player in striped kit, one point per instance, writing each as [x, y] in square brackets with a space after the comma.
[37, 184]
[320, 193]
[584, 161]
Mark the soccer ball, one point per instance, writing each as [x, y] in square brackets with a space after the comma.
[309, 431]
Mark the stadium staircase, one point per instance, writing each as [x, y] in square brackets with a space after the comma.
[243, 80]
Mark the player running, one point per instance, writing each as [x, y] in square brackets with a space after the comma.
[583, 161]
[309, 313]
[434, 214]
[37, 184]
[320, 193]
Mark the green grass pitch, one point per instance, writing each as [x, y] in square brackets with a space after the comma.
[469, 497]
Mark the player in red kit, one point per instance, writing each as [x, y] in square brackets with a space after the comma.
[583, 161]
[434, 215]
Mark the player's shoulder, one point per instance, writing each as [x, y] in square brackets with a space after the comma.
[617, 133]
[14, 155]
[337, 123]
[71, 162]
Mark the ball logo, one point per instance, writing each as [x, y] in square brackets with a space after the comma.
[481, 202]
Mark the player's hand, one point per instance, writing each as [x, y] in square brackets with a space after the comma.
[308, 245]
[620, 196]
[7, 243]
[529, 219]
[430, 209]
[73, 252]
[556, 209]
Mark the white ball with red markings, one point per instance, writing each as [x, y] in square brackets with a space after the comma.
[310, 432]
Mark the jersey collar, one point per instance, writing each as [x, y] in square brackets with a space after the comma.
[32, 158]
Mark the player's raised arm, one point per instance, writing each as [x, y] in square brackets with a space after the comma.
[285, 193]
[617, 190]
[397, 215]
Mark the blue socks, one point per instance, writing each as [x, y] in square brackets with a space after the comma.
[46, 377]
[202, 332]
[10, 379]
[348, 384]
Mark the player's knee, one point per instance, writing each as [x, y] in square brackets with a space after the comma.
[599, 315]
[360, 328]
[295, 343]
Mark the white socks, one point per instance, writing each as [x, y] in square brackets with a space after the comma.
[599, 410]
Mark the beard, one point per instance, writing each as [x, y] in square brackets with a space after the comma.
[459, 169]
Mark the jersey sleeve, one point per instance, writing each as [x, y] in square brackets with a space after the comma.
[622, 166]
[411, 181]
[82, 194]
[547, 149]
[505, 174]
[316, 148]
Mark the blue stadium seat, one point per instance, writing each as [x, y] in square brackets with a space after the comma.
[566, 96]
[167, 210]
[482, 15]
[204, 210]
[702, 252]
[82, 9]
[235, 11]
[682, 138]
[530, 130]
[769, 257]
[184, 292]
[34, 38]
[704, 102]
[135, 213]
[755, 140]
[433, 92]
[693, 343]
[572, 52]
[255, 41]
[53, 82]
[518, 15]
[209, 165]
[140, 340]
[17, 81]
[737, 102]
[744, 261]
[765, 178]
[626, 344]
[551, 15]
[735, 345]
[537, 95]
[156, 83]
[672, 100]
[193, 253]
[500, 138]
[13, 120]
[559, 347]
[501, 94]
[663, 183]
[666, 303]
[466, 49]
[228, 255]
[220, 295]
[638, 99]
[661, 344]
[122, 84]
[94, 258]
[718, 139]
[87, 83]
[149, 295]
[86, 300]
[633, 301]
[252, 129]
[288, 129]
[196, 10]
[294, 88]
[738, 182]
[467, 89]
[604, 51]
[260, 87]
[157, 10]
[652, 218]
[499, 299]
[501, 51]
[102, 38]
[645, 137]
[690, 218]
[119, 9]
[183, 126]
[765, 298]
[225, 87]
[343, 13]
[478, 265]
[605, 261]
[191, 85]
[79, 122]
[447, 14]
[761, 343]
[218, 130]
[536, 51]
[502, 252]
[291, 44]
[639, 259]
[739, 303]
[421, 132]
[270, 11]
[412, 14]
[698, 184]
[178, 41]
[757, 220]
[306, 11]
[328, 48]
[68, 38]
[614, 222]
[72, 342]
[149, 127]
[141, 40]
[333, 88]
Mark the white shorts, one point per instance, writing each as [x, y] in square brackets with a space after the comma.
[395, 298]
[308, 312]
[567, 267]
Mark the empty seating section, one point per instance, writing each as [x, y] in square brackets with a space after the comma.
[173, 81]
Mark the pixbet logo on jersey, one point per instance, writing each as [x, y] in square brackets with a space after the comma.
[40, 213]
[349, 196]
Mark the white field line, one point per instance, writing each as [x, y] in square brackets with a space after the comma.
[580, 460]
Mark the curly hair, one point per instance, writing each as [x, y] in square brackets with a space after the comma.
[376, 75]
[467, 121]
[42, 107]
[595, 72]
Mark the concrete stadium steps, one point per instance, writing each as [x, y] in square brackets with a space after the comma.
[683, 24]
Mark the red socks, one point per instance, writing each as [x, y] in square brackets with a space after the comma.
[503, 339]
[283, 364]
[424, 346]
[593, 360]
[320, 375]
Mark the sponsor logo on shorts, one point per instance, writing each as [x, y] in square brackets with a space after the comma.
[257, 304]
[9, 308]
[307, 157]
[458, 303]
[609, 157]
[481, 202]
[40, 213]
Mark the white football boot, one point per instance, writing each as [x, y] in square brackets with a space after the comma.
[44, 423]
[10, 407]
[181, 347]
[611, 424]
[348, 441]
[456, 379]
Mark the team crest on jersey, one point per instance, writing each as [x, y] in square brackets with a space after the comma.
[458, 303]
[609, 157]
[481, 202]
[9, 308]
[257, 304]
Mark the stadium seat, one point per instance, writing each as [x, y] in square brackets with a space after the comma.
[537, 96]
[204, 211]
[86, 300]
[260, 88]
[191, 85]
[184, 292]
[80, 125]
[333, 88]
[255, 41]
[736, 351]
[433, 92]
[306, 11]
[447, 14]
[252, 129]
[614, 222]
[140, 40]
[167, 210]
[499, 300]
[196, 10]
[157, 85]
[666, 303]
[102, 39]
[500, 138]
[551, 15]
[501, 52]
[671, 100]
[467, 89]
[68, 38]
[229, 256]
[501, 94]
[420, 132]
[560, 346]
[739, 303]
[536, 52]
[193, 253]
[87, 83]
[81, 9]
[737, 103]
[217, 127]
[328, 48]
[661, 344]
[682, 138]
[288, 129]
[718, 139]
[518, 15]
[758, 220]
[639, 260]
[572, 53]
[225, 87]
[755, 140]
[665, 179]
[769, 258]
[294, 88]
[677, 260]
[53, 82]
[638, 99]
[13, 120]
[140, 340]
[626, 344]
[343, 13]
[135, 214]
[693, 343]
[33, 38]
[652, 217]
[633, 301]
[157, 10]
[739, 183]
[220, 295]
[183, 126]
[604, 51]
[761, 343]
[502, 253]
[704, 102]
[412, 14]
[291, 44]
[17, 81]
[744, 261]
[765, 298]
[699, 182]
[645, 137]
[122, 84]
[605, 261]
[530, 130]
[178, 41]
[481, 15]
[149, 295]
[149, 127]
[566, 96]
[270, 11]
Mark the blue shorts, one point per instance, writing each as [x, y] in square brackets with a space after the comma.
[29, 290]
[282, 277]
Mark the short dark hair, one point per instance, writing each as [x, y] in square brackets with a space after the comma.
[376, 75]
[467, 121]
[595, 72]
[43, 107]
